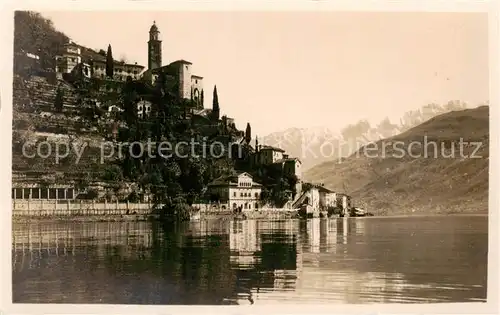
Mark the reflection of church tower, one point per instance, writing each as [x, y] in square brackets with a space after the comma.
[154, 48]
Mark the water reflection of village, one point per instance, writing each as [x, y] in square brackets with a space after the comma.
[210, 262]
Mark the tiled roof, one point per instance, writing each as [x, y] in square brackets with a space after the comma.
[323, 189]
[268, 147]
[286, 160]
[182, 61]
[231, 180]
[202, 112]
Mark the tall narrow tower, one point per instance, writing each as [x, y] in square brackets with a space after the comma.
[154, 47]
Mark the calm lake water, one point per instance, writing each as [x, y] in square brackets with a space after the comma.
[352, 260]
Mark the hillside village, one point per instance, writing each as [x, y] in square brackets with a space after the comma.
[84, 98]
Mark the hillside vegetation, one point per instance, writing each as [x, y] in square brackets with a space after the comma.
[426, 183]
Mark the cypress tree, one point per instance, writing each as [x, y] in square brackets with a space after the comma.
[109, 63]
[248, 134]
[215, 104]
[201, 99]
[59, 100]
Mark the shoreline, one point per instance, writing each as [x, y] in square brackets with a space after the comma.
[83, 219]
[208, 217]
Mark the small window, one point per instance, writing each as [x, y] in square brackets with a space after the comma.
[256, 195]
[52, 193]
[241, 194]
[234, 194]
[196, 81]
[19, 193]
[60, 193]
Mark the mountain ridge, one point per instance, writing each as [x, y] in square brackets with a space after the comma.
[386, 184]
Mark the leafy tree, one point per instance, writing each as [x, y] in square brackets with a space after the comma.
[35, 34]
[59, 100]
[109, 63]
[112, 173]
[92, 194]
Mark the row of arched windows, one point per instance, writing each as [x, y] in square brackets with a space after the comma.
[246, 194]
[247, 206]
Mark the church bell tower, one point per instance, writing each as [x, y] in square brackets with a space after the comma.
[154, 47]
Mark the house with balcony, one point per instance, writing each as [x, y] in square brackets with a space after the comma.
[238, 191]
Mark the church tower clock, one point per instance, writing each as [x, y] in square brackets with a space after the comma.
[154, 48]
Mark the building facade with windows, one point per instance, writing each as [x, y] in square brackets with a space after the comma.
[238, 191]
[121, 70]
[144, 109]
[71, 56]
[267, 155]
[72, 61]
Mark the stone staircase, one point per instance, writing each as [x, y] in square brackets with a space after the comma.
[299, 200]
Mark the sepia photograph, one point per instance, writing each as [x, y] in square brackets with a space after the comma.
[165, 157]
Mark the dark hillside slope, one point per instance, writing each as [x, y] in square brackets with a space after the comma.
[432, 181]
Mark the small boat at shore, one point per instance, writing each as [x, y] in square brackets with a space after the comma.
[358, 212]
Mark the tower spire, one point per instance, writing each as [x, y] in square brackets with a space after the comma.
[154, 47]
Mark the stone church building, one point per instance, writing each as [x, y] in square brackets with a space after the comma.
[178, 73]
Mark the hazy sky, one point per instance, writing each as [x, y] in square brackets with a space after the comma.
[305, 69]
